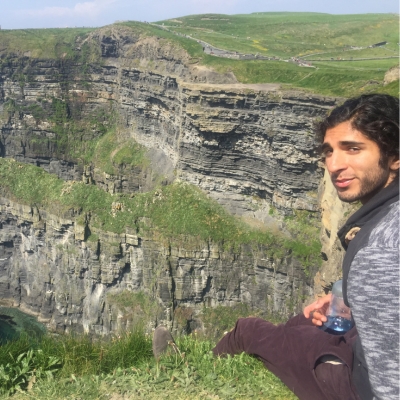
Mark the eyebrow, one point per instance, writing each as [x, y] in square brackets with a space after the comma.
[351, 143]
[326, 145]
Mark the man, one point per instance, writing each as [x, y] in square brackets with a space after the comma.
[360, 146]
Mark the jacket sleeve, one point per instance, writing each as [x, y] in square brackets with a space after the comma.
[373, 290]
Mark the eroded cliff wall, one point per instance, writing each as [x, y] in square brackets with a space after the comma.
[249, 147]
[48, 268]
[231, 140]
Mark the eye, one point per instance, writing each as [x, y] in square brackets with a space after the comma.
[353, 149]
[326, 153]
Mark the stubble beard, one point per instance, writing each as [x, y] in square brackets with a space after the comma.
[370, 184]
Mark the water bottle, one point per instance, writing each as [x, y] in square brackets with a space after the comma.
[338, 314]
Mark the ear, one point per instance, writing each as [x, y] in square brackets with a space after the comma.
[394, 164]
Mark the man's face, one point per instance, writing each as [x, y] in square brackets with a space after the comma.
[353, 164]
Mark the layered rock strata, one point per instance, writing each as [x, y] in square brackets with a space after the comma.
[49, 269]
[248, 146]
[237, 142]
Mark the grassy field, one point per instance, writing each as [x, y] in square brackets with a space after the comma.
[42, 43]
[311, 35]
[291, 34]
[342, 82]
[122, 368]
[314, 36]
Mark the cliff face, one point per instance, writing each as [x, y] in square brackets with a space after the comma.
[247, 146]
[251, 144]
[50, 270]
[231, 140]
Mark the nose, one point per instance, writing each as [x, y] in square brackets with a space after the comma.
[336, 162]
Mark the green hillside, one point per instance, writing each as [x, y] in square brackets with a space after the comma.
[322, 38]
[41, 43]
[293, 34]
[338, 47]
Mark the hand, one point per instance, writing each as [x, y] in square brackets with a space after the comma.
[317, 310]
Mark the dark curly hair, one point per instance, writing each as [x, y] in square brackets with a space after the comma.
[374, 115]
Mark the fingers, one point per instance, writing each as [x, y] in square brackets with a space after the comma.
[309, 310]
[318, 318]
[317, 305]
[317, 310]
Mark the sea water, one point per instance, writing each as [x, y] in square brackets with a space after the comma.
[7, 330]
[337, 325]
[13, 322]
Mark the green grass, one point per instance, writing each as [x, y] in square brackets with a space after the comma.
[29, 358]
[43, 43]
[364, 65]
[275, 34]
[356, 55]
[131, 154]
[284, 33]
[81, 355]
[299, 34]
[343, 82]
[29, 185]
[123, 367]
[304, 227]
[392, 89]
[109, 153]
[178, 212]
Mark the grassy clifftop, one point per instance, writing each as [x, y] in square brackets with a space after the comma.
[42, 43]
[293, 34]
[177, 212]
[339, 48]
